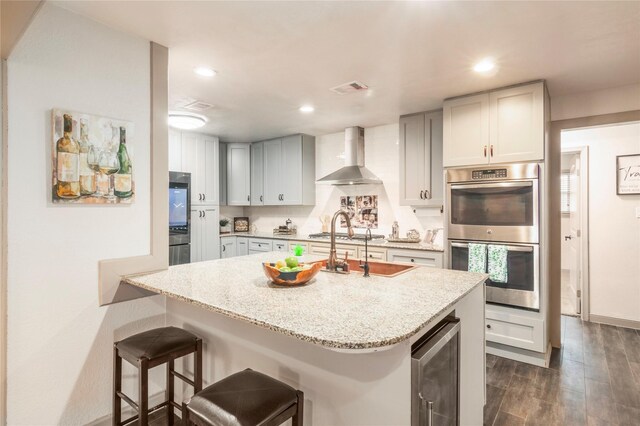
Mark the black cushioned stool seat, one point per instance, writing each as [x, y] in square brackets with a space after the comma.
[247, 398]
[147, 350]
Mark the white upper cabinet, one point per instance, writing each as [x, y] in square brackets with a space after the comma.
[257, 172]
[223, 174]
[517, 124]
[502, 126]
[466, 130]
[288, 173]
[197, 154]
[421, 173]
[238, 174]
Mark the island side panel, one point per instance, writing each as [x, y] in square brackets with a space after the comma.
[340, 388]
[470, 310]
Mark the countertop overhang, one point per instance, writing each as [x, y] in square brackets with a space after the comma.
[337, 311]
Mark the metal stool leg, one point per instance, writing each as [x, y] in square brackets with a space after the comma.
[117, 387]
[298, 416]
[185, 415]
[143, 392]
[170, 393]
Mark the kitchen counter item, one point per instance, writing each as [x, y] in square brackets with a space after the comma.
[339, 311]
[344, 236]
[292, 278]
[403, 240]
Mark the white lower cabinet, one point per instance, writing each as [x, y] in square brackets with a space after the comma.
[280, 245]
[323, 249]
[423, 258]
[515, 330]
[205, 233]
[373, 253]
[259, 245]
[227, 247]
[242, 246]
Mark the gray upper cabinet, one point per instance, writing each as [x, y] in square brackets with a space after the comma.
[257, 174]
[421, 172]
[238, 174]
[288, 173]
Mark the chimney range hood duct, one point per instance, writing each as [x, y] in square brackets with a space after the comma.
[354, 172]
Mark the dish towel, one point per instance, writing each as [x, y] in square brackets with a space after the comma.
[477, 258]
[497, 263]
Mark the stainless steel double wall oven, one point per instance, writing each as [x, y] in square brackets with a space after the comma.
[498, 205]
[179, 218]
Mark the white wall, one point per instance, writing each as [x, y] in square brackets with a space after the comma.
[596, 102]
[382, 158]
[614, 231]
[59, 339]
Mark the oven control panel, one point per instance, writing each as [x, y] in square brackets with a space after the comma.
[488, 174]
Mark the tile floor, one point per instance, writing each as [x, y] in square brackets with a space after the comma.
[593, 380]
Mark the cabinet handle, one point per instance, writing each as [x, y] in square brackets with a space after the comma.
[427, 194]
[261, 198]
[422, 195]
[204, 197]
[224, 248]
[492, 150]
[413, 260]
[485, 150]
[488, 325]
[248, 197]
[204, 213]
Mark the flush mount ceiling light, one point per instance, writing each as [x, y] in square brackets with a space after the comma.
[205, 71]
[306, 108]
[485, 65]
[184, 121]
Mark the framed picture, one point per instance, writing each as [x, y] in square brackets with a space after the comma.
[91, 160]
[628, 174]
[362, 211]
[240, 224]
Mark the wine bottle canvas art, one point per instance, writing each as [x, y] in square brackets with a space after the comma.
[91, 159]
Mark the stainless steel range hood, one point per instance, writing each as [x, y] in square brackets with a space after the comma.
[354, 172]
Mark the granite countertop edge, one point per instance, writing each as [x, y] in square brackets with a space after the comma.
[330, 344]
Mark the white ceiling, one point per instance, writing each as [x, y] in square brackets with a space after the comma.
[272, 57]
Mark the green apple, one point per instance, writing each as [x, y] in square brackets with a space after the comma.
[291, 261]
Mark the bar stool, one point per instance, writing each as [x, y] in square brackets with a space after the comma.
[247, 398]
[147, 350]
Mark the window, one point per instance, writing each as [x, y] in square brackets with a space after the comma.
[565, 192]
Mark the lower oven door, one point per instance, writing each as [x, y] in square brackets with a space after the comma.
[522, 288]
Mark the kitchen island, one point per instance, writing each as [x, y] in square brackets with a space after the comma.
[345, 340]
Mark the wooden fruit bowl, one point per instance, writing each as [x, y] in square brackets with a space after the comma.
[291, 278]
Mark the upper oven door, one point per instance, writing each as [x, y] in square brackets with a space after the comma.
[494, 211]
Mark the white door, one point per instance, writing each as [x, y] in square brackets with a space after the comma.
[210, 233]
[238, 174]
[575, 233]
[412, 160]
[466, 131]
[196, 235]
[272, 152]
[257, 172]
[517, 124]
[291, 175]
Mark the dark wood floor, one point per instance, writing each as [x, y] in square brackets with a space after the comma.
[593, 380]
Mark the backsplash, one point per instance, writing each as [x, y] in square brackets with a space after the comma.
[381, 157]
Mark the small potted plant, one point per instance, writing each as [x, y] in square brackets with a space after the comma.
[224, 226]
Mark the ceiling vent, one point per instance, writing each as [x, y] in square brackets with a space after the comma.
[354, 86]
[198, 106]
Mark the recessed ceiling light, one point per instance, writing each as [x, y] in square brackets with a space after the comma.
[484, 65]
[306, 108]
[204, 71]
[185, 121]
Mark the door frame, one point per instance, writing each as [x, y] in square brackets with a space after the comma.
[583, 152]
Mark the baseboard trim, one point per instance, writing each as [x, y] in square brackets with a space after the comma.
[541, 359]
[620, 322]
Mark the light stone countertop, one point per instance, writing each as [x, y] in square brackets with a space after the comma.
[343, 312]
[303, 237]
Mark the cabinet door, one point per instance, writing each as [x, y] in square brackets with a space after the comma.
[412, 159]
[434, 179]
[208, 173]
[210, 233]
[291, 174]
[257, 171]
[272, 151]
[238, 174]
[190, 164]
[466, 131]
[517, 124]
[196, 235]
[175, 151]
[222, 174]
[227, 247]
[242, 246]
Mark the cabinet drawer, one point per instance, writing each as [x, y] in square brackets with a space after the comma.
[260, 245]
[425, 258]
[280, 245]
[514, 330]
[374, 253]
[324, 249]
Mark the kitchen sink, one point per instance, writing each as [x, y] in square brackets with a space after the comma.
[382, 269]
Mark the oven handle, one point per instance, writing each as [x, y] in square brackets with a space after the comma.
[524, 184]
[526, 249]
